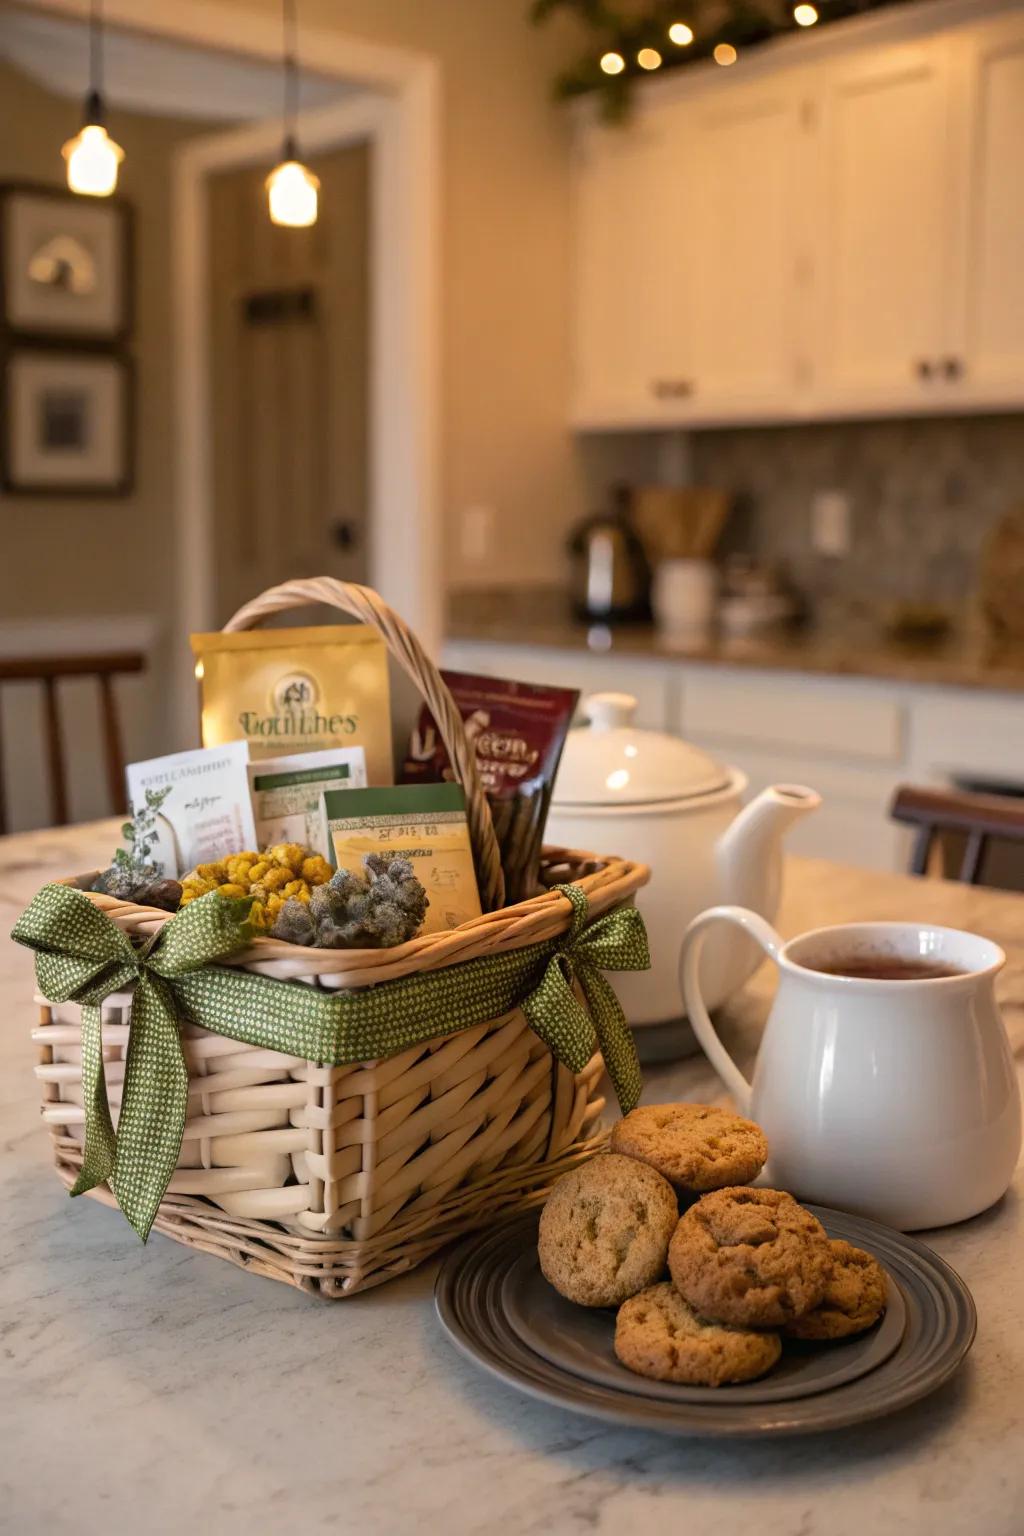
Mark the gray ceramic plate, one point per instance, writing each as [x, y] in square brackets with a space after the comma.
[580, 1340]
[483, 1300]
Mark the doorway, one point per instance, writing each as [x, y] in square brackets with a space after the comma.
[289, 327]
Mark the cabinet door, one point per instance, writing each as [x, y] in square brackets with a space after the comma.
[989, 362]
[628, 192]
[885, 204]
[742, 248]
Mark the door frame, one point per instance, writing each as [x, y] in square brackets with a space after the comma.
[397, 112]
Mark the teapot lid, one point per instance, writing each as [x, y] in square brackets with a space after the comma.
[611, 761]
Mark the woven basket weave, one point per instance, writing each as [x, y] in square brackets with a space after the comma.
[338, 1178]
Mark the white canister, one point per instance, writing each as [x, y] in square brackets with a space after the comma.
[683, 596]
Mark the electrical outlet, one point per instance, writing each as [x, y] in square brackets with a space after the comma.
[830, 523]
[477, 534]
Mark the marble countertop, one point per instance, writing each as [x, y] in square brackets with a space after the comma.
[156, 1389]
[847, 649]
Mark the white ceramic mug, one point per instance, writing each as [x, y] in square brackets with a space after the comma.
[897, 1098]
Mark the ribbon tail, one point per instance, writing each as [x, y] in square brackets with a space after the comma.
[559, 1019]
[153, 1106]
[98, 1155]
[617, 1044]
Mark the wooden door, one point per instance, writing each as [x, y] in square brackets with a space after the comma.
[886, 201]
[629, 187]
[289, 311]
[986, 358]
[742, 250]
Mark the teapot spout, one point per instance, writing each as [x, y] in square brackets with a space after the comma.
[749, 851]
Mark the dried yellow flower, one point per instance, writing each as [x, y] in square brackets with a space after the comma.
[270, 878]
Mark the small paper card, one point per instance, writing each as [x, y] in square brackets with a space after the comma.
[207, 814]
[286, 792]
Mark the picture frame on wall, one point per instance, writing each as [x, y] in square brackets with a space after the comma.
[68, 422]
[66, 264]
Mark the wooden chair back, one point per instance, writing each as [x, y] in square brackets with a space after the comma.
[979, 819]
[49, 671]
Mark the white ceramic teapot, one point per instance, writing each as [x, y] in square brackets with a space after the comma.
[649, 796]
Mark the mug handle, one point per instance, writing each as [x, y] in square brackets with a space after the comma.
[689, 980]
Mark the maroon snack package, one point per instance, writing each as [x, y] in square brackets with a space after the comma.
[518, 731]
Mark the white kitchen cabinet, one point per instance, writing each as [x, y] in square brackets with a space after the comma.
[629, 193]
[810, 241]
[851, 826]
[852, 739]
[884, 206]
[742, 248]
[650, 682]
[988, 351]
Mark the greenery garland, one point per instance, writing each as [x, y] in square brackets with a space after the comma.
[628, 29]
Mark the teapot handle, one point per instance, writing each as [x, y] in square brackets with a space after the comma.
[689, 980]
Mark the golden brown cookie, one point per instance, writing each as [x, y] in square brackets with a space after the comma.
[658, 1334]
[605, 1229]
[695, 1146]
[854, 1297]
[750, 1257]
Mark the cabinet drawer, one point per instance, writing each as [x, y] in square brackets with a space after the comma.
[564, 668]
[852, 825]
[956, 732]
[828, 718]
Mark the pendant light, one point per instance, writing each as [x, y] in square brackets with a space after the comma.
[292, 189]
[92, 156]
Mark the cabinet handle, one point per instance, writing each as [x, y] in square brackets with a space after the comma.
[925, 369]
[672, 389]
[952, 367]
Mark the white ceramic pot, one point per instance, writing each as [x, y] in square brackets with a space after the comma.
[893, 1098]
[649, 796]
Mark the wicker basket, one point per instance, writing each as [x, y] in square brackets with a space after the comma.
[335, 1179]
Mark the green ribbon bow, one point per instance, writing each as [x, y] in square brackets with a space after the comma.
[82, 956]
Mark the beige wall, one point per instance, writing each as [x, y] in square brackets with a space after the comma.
[108, 555]
[80, 558]
[505, 262]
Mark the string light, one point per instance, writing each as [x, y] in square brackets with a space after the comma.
[612, 63]
[680, 34]
[293, 192]
[93, 159]
[725, 54]
[805, 15]
[648, 58]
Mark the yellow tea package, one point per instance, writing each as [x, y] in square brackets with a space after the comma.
[424, 823]
[298, 690]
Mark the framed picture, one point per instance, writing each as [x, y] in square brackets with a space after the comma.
[65, 264]
[68, 423]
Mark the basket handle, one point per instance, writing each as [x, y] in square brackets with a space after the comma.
[364, 604]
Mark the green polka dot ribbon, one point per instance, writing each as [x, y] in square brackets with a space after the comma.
[83, 957]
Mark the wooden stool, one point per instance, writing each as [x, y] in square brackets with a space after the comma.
[49, 670]
[978, 818]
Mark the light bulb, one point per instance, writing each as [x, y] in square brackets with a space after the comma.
[680, 34]
[93, 159]
[612, 63]
[725, 54]
[648, 58]
[805, 15]
[293, 194]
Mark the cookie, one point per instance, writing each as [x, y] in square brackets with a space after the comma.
[750, 1257]
[657, 1334]
[854, 1297]
[605, 1229]
[695, 1146]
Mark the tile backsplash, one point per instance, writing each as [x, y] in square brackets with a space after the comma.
[923, 496]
